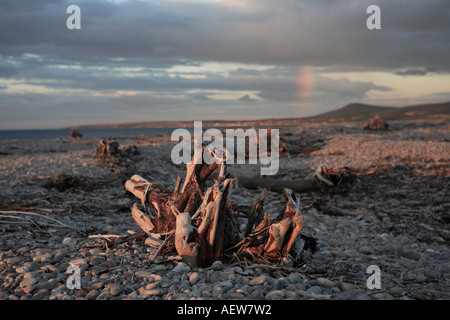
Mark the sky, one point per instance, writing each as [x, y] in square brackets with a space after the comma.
[188, 60]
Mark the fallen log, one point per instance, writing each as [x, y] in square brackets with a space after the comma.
[317, 180]
[277, 184]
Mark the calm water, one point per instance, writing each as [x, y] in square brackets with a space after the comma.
[87, 133]
[94, 133]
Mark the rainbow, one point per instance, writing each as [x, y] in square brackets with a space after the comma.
[305, 82]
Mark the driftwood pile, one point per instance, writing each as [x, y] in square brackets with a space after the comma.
[75, 134]
[107, 148]
[199, 224]
[118, 158]
[376, 123]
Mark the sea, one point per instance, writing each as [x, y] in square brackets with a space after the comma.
[87, 133]
[96, 133]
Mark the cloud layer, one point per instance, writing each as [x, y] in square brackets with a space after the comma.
[212, 59]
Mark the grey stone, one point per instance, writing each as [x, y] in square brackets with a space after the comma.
[294, 278]
[144, 274]
[48, 285]
[96, 260]
[194, 278]
[153, 285]
[335, 291]
[70, 242]
[282, 282]
[185, 285]
[32, 274]
[78, 262]
[97, 285]
[396, 291]
[362, 296]
[260, 280]
[382, 296]
[315, 289]
[28, 285]
[58, 289]
[350, 294]
[345, 286]
[226, 284]
[92, 295]
[242, 290]
[22, 269]
[325, 282]
[32, 265]
[275, 295]
[39, 295]
[117, 289]
[41, 251]
[152, 292]
[105, 294]
[413, 255]
[300, 286]
[236, 295]
[217, 265]
[159, 267]
[27, 282]
[45, 257]
[14, 260]
[181, 267]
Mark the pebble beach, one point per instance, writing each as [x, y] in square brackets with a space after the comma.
[394, 214]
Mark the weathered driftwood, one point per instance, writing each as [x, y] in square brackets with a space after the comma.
[277, 184]
[75, 134]
[273, 239]
[198, 242]
[107, 148]
[162, 216]
[314, 182]
[204, 223]
[376, 123]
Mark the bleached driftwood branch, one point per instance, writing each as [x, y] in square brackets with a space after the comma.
[202, 222]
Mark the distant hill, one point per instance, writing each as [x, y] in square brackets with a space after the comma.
[351, 112]
[363, 112]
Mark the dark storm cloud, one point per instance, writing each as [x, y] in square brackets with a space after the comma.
[132, 31]
[267, 32]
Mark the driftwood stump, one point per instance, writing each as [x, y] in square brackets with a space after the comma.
[376, 123]
[75, 134]
[203, 224]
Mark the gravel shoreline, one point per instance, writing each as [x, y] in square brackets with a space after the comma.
[394, 215]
